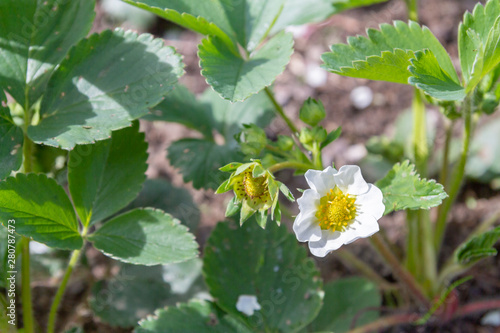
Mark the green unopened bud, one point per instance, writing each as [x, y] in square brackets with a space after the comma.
[306, 136]
[490, 103]
[312, 112]
[285, 143]
[253, 140]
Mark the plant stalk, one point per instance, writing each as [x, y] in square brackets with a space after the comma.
[399, 271]
[412, 10]
[290, 165]
[458, 174]
[443, 174]
[280, 111]
[60, 291]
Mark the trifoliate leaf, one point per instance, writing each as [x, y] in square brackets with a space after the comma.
[235, 78]
[403, 188]
[478, 36]
[145, 237]
[177, 201]
[479, 247]
[35, 35]
[41, 209]
[430, 77]
[107, 176]
[11, 141]
[195, 316]
[268, 264]
[385, 53]
[345, 303]
[106, 81]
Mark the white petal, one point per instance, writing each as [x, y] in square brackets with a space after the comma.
[247, 304]
[309, 201]
[330, 241]
[371, 202]
[350, 180]
[364, 226]
[321, 181]
[305, 227]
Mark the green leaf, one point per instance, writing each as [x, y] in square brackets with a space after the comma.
[268, 264]
[229, 118]
[181, 106]
[41, 209]
[177, 201]
[195, 316]
[246, 22]
[107, 176]
[235, 78]
[298, 12]
[385, 54]
[123, 301]
[479, 247]
[478, 36]
[35, 35]
[403, 189]
[332, 136]
[345, 301]
[200, 160]
[430, 77]
[11, 141]
[106, 81]
[145, 237]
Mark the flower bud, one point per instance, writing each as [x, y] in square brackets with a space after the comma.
[312, 112]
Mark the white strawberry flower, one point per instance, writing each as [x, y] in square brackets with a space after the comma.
[339, 208]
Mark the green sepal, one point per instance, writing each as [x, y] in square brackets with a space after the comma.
[246, 212]
[276, 213]
[258, 171]
[332, 136]
[224, 187]
[233, 207]
[241, 169]
[284, 189]
[230, 167]
[261, 218]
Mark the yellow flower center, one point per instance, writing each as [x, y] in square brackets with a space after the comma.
[253, 189]
[336, 210]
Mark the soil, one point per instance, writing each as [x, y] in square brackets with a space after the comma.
[442, 17]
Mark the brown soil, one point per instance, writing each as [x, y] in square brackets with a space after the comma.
[442, 17]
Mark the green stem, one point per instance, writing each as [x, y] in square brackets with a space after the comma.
[443, 174]
[280, 110]
[290, 165]
[317, 158]
[428, 259]
[350, 260]
[458, 174]
[412, 10]
[420, 147]
[60, 292]
[28, 319]
[412, 242]
[399, 271]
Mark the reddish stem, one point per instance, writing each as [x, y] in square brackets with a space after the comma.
[386, 322]
[479, 306]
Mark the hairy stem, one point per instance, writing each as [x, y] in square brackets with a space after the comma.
[443, 174]
[458, 174]
[412, 10]
[479, 306]
[399, 271]
[290, 165]
[317, 158]
[280, 110]
[60, 291]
